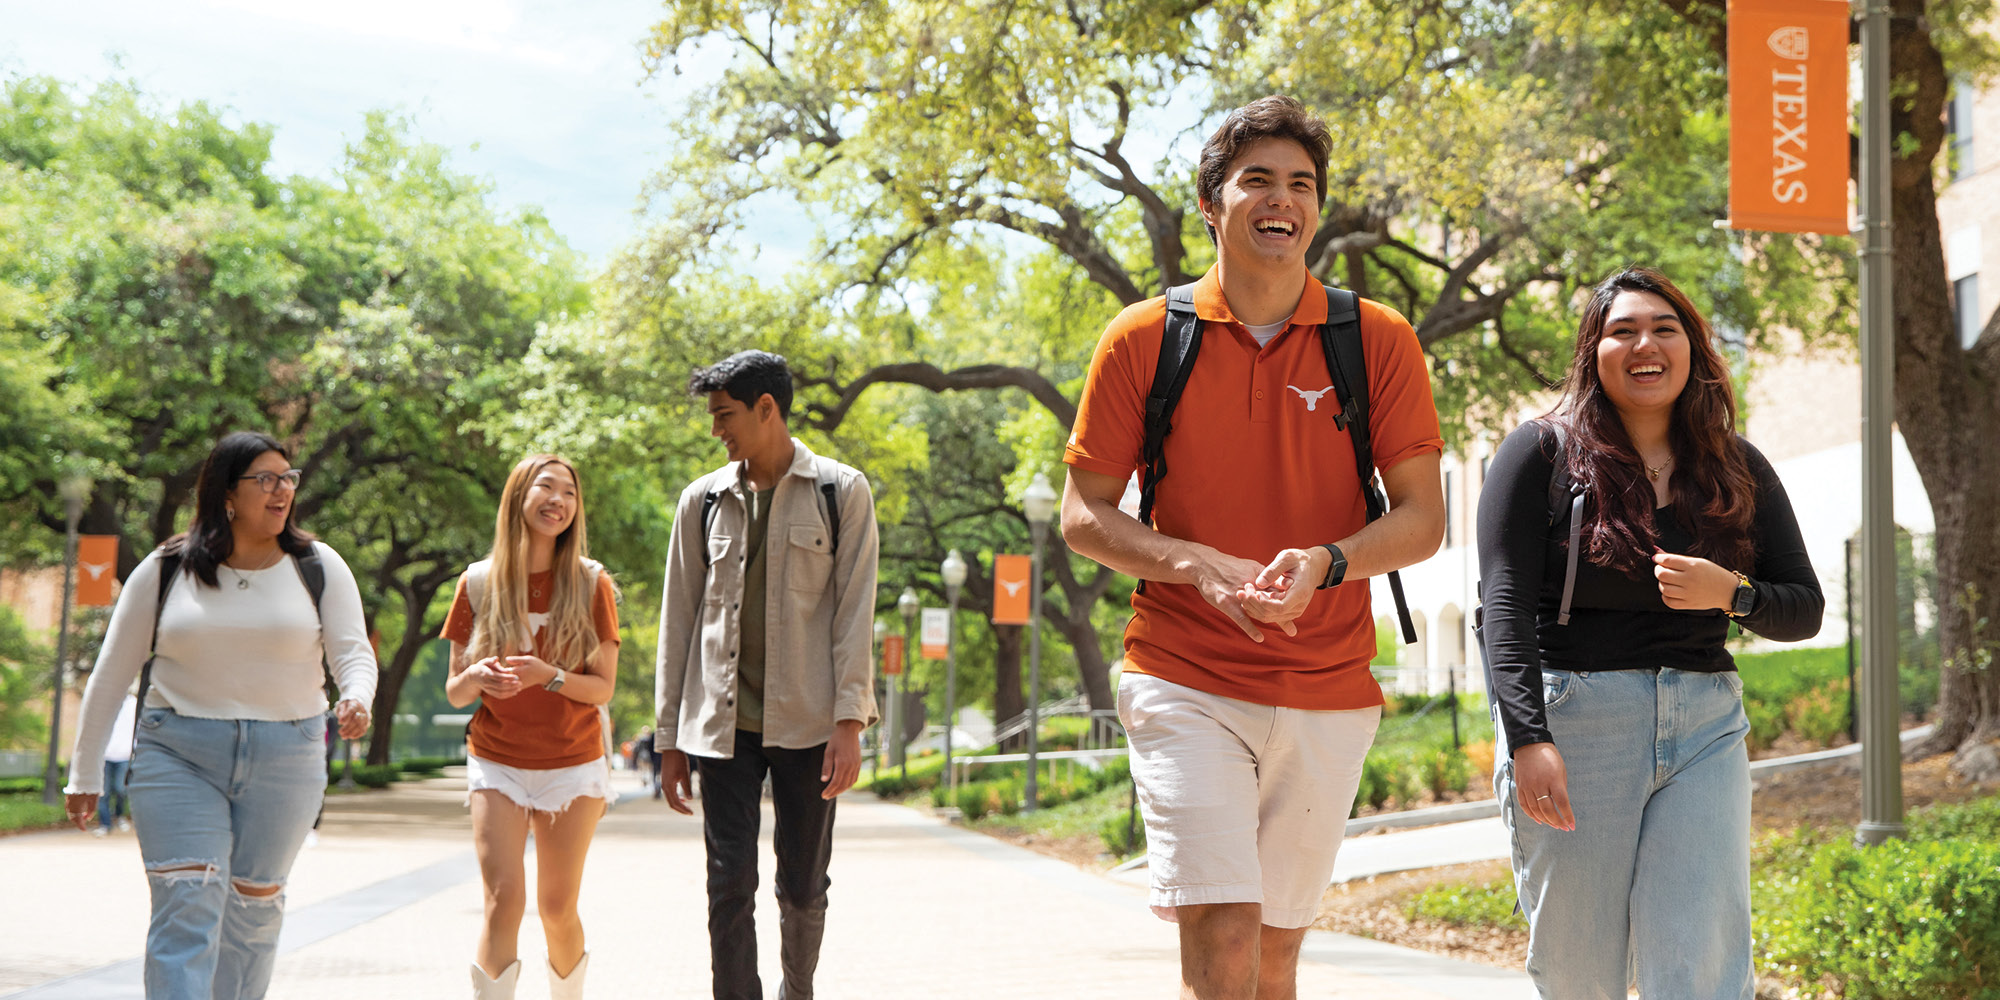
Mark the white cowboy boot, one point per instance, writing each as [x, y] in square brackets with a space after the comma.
[568, 987]
[485, 988]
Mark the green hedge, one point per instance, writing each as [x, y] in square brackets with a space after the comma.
[23, 811]
[1463, 904]
[368, 775]
[1905, 920]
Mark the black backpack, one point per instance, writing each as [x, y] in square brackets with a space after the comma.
[827, 492]
[1340, 340]
[311, 571]
[1565, 499]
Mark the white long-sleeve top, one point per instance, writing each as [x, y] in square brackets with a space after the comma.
[226, 652]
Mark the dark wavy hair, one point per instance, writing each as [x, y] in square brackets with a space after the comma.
[747, 376]
[1713, 493]
[208, 541]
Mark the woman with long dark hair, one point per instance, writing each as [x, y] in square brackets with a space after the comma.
[1618, 537]
[534, 639]
[229, 765]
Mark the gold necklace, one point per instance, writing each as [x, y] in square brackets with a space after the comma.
[1653, 471]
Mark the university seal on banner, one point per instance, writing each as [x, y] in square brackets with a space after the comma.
[1789, 43]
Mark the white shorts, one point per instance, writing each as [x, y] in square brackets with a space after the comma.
[1244, 803]
[544, 790]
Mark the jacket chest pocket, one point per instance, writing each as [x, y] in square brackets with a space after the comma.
[718, 548]
[809, 562]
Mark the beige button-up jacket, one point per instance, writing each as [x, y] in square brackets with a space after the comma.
[819, 611]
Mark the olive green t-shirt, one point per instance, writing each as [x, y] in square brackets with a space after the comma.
[750, 644]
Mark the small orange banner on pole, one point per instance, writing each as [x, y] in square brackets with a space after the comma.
[934, 635]
[1010, 589]
[892, 654]
[1788, 140]
[96, 570]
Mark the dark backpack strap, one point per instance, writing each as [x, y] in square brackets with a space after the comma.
[170, 570]
[1180, 342]
[312, 573]
[707, 518]
[1340, 340]
[831, 495]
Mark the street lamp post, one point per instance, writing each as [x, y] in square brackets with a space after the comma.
[1039, 504]
[882, 730]
[908, 605]
[953, 573]
[75, 488]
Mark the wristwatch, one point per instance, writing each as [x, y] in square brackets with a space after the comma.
[1336, 570]
[1746, 597]
[555, 683]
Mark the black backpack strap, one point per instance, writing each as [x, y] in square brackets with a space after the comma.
[831, 494]
[170, 570]
[1180, 342]
[312, 573]
[1340, 340]
[707, 518]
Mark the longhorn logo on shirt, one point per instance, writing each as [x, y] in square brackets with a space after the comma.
[1312, 398]
[537, 621]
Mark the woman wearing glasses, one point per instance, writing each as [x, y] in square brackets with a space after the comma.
[534, 639]
[230, 760]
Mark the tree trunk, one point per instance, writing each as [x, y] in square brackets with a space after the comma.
[1008, 701]
[389, 682]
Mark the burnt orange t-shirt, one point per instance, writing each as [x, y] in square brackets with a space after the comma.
[537, 729]
[1255, 464]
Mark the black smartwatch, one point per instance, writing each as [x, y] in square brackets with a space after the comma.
[1336, 569]
[1745, 598]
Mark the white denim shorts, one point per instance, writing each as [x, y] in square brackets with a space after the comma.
[1244, 803]
[544, 790]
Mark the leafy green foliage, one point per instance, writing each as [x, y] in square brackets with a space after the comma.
[1468, 904]
[27, 812]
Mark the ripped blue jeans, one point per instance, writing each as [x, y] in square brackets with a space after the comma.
[221, 807]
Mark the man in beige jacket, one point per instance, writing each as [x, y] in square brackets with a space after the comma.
[764, 663]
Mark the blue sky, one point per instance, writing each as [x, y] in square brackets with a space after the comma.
[548, 101]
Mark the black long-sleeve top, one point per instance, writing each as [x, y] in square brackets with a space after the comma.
[1617, 622]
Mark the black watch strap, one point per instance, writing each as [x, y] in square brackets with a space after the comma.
[1336, 569]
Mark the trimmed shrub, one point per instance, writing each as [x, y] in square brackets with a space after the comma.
[1468, 904]
[1767, 723]
[1975, 820]
[368, 775]
[972, 801]
[1446, 771]
[1819, 715]
[1122, 835]
[1904, 920]
[1375, 783]
[1480, 756]
[1406, 780]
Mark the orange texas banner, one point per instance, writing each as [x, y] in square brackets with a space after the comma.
[1788, 142]
[96, 570]
[1010, 589]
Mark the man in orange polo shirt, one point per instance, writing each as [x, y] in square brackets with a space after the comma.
[1246, 690]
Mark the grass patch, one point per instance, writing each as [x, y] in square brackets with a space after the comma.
[1468, 904]
[27, 812]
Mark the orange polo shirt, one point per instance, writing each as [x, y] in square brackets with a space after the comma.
[1255, 465]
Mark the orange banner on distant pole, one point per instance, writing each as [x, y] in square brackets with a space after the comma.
[892, 655]
[1788, 141]
[96, 570]
[1010, 589]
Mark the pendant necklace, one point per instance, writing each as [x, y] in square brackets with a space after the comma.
[1653, 471]
[243, 582]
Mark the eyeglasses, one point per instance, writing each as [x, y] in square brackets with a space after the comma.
[268, 481]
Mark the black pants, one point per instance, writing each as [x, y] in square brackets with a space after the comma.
[731, 791]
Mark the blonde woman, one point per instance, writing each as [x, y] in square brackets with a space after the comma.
[534, 639]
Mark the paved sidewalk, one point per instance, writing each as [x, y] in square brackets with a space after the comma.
[388, 904]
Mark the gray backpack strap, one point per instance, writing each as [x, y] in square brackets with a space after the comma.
[1565, 497]
[1575, 542]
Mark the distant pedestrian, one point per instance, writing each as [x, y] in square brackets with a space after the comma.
[1618, 537]
[764, 664]
[116, 805]
[1246, 690]
[534, 639]
[229, 765]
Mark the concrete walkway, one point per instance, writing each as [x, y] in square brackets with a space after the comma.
[388, 904]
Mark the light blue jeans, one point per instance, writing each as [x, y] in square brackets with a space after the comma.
[1656, 877]
[221, 806]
